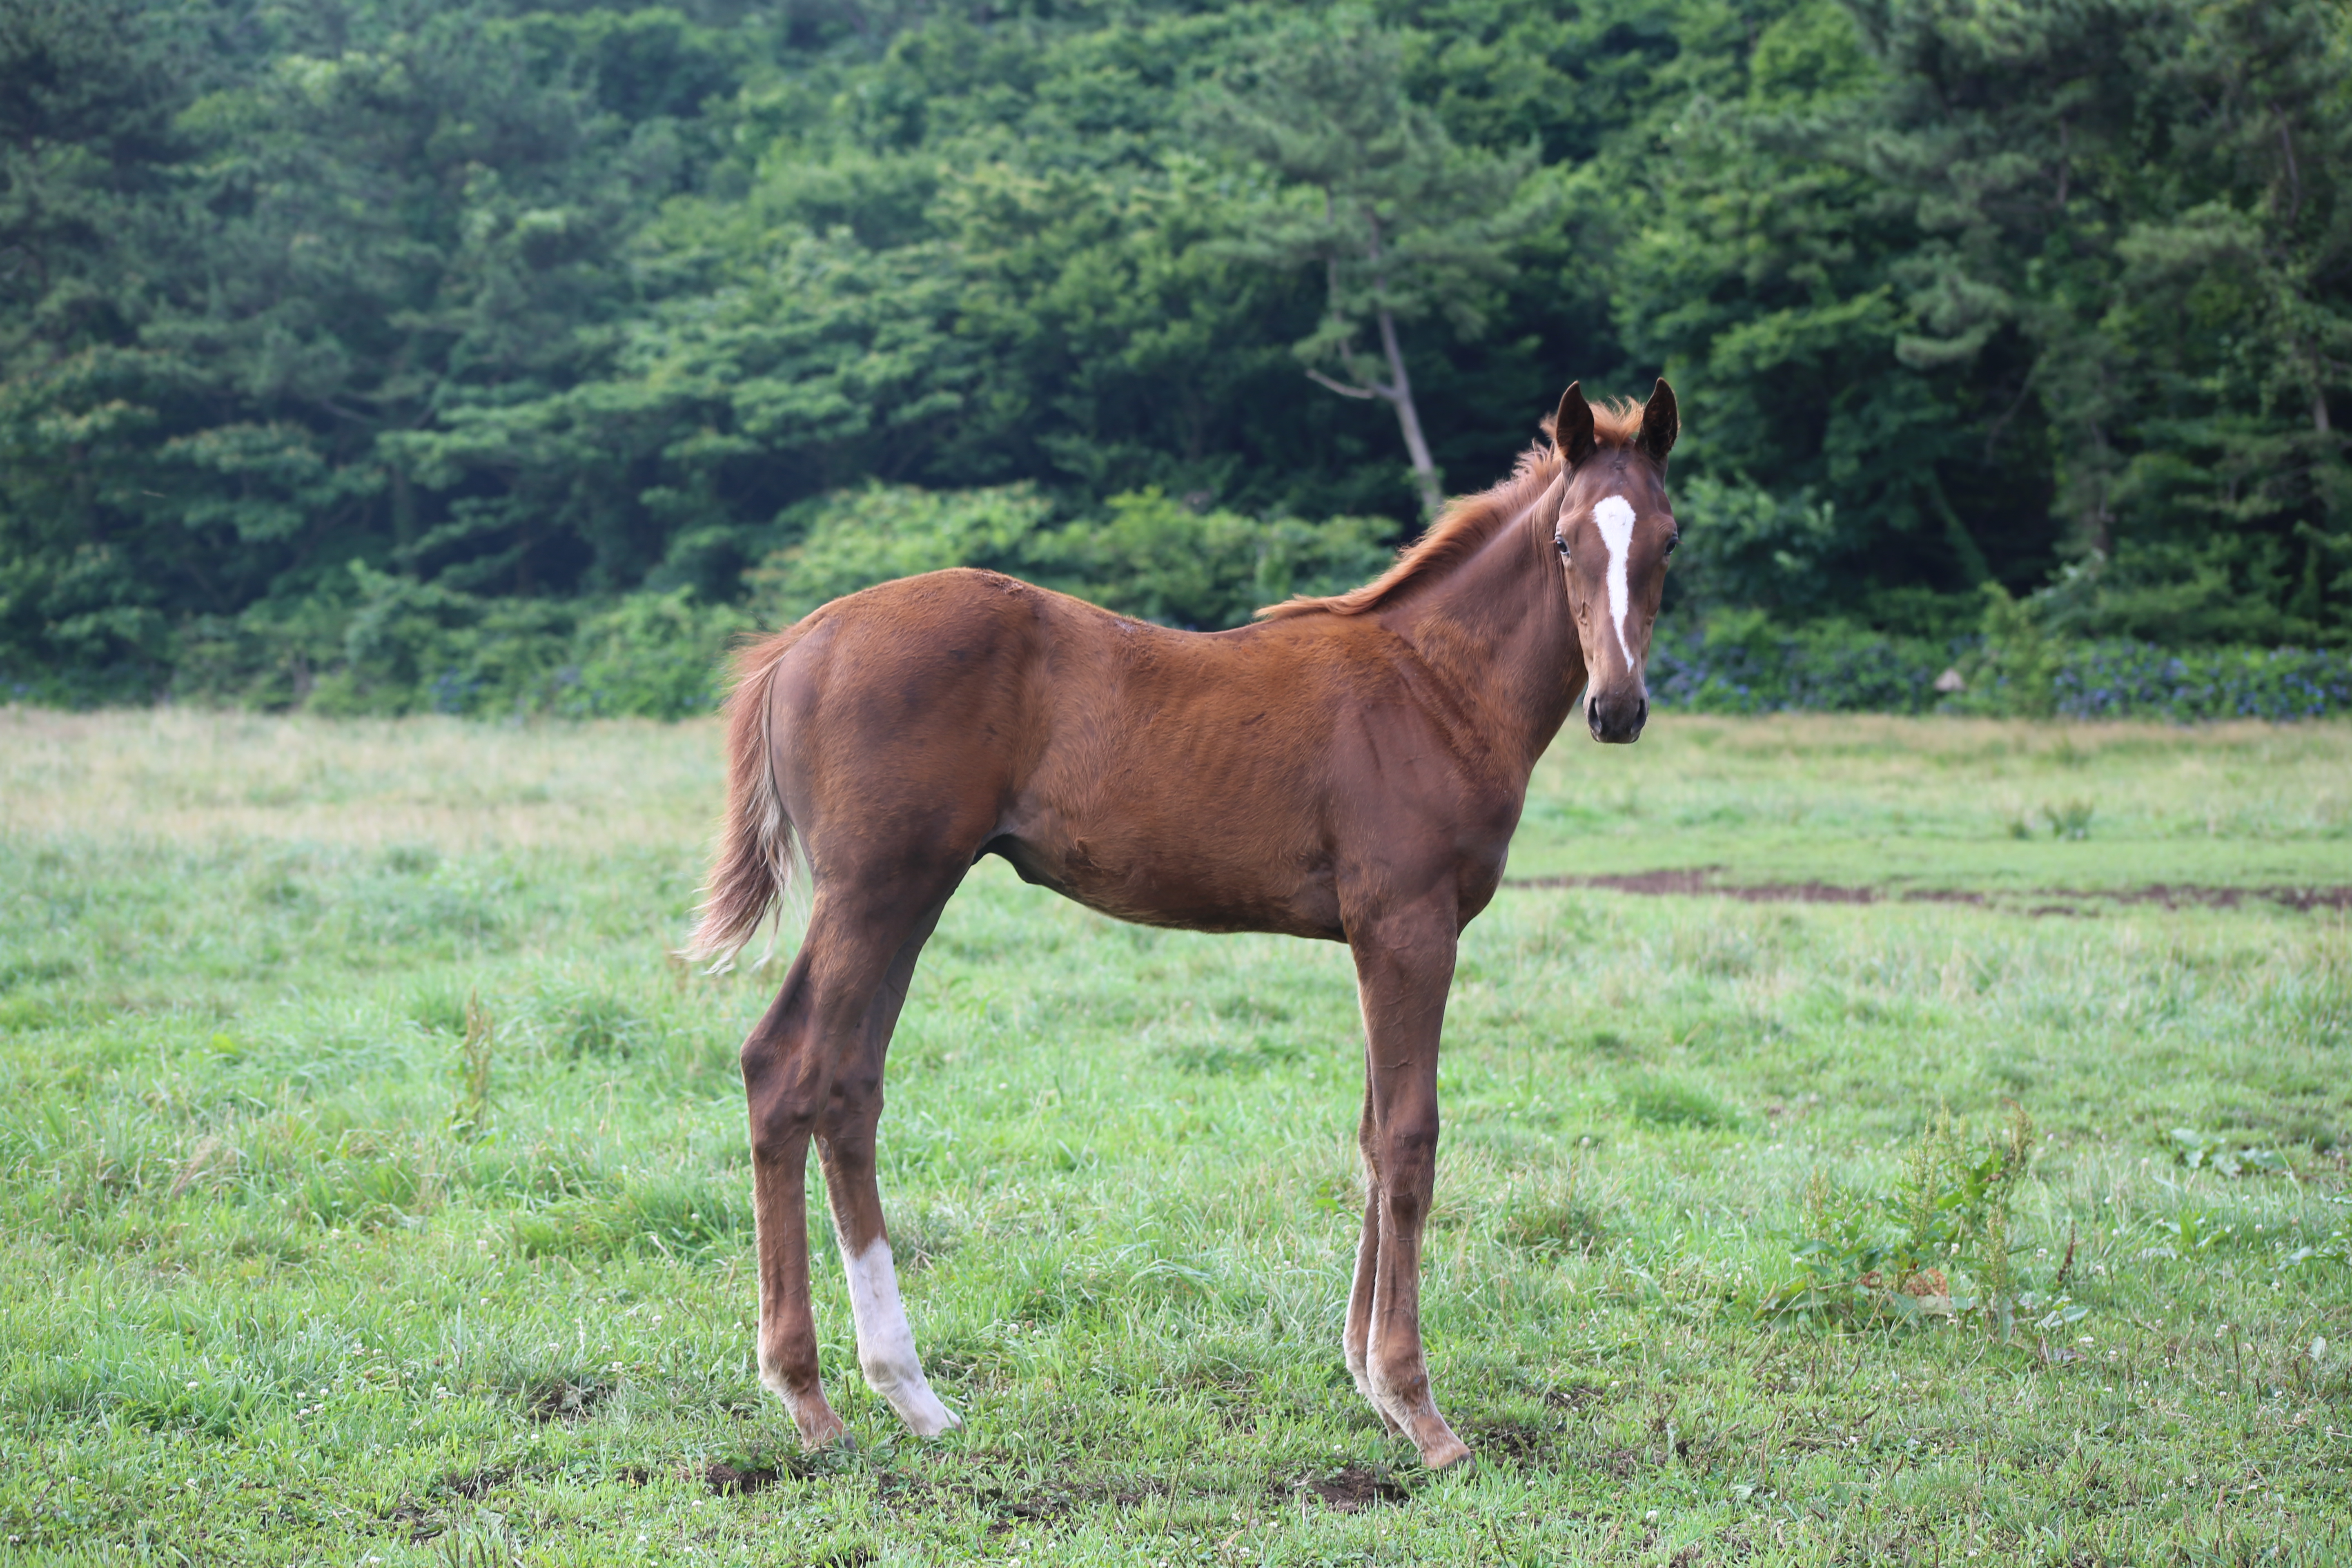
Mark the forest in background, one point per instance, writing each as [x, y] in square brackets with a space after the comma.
[487, 355]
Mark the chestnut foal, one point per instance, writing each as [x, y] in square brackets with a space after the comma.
[1350, 768]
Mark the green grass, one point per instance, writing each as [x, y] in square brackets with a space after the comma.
[288, 1278]
[1852, 799]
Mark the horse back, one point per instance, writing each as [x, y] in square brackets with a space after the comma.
[1224, 780]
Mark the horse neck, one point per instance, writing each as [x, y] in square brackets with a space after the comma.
[1497, 630]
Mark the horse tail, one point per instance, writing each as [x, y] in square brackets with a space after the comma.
[754, 864]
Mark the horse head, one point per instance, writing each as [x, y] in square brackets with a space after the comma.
[1614, 531]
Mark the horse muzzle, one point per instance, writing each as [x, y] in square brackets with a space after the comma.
[1616, 717]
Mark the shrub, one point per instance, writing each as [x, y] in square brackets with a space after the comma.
[1741, 661]
[1151, 556]
[854, 539]
[651, 656]
[1158, 559]
[369, 642]
[387, 646]
[2019, 661]
[2123, 679]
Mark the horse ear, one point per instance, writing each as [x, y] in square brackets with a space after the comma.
[1661, 423]
[1572, 427]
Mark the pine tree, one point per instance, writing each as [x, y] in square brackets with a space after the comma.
[1402, 223]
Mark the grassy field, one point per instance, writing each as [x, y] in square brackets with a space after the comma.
[373, 1185]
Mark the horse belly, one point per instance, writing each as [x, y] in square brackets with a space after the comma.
[1189, 879]
[1181, 842]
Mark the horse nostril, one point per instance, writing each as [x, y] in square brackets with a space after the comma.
[1642, 713]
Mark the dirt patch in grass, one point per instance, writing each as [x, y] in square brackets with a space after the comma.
[1045, 1507]
[1354, 1489]
[1622, 1463]
[1576, 1396]
[417, 1521]
[1007, 1509]
[1519, 1443]
[1701, 880]
[1706, 882]
[1033, 1507]
[903, 1493]
[560, 1399]
[480, 1484]
[737, 1480]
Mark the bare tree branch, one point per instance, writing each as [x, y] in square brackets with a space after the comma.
[1344, 390]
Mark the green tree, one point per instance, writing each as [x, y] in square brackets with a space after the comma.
[87, 223]
[1836, 471]
[278, 272]
[489, 316]
[1402, 222]
[2147, 196]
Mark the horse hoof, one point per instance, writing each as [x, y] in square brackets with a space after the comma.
[826, 1432]
[929, 1418]
[1452, 1456]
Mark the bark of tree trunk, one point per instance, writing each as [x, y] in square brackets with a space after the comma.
[1965, 548]
[1400, 394]
[1397, 390]
[403, 508]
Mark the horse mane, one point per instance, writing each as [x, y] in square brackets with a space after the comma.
[1469, 521]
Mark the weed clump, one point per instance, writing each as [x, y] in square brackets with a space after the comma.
[560, 1394]
[581, 1024]
[682, 1218]
[470, 1117]
[364, 1186]
[2209, 1152]
[1670, 1102]
[1554, 1224]
[1938, 1244]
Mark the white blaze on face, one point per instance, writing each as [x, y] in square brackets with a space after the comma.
[886, 1347]
[1614, 517]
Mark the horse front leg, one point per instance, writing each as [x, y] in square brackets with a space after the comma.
[1403, 968]
[1356, 1339]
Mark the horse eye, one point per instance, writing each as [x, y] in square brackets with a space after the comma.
[1673, 540]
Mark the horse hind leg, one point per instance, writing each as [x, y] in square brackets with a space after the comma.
[798, 1062]
[784, 1085]
[846, 1144]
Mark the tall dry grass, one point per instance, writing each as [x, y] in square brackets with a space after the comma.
[181, 775]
